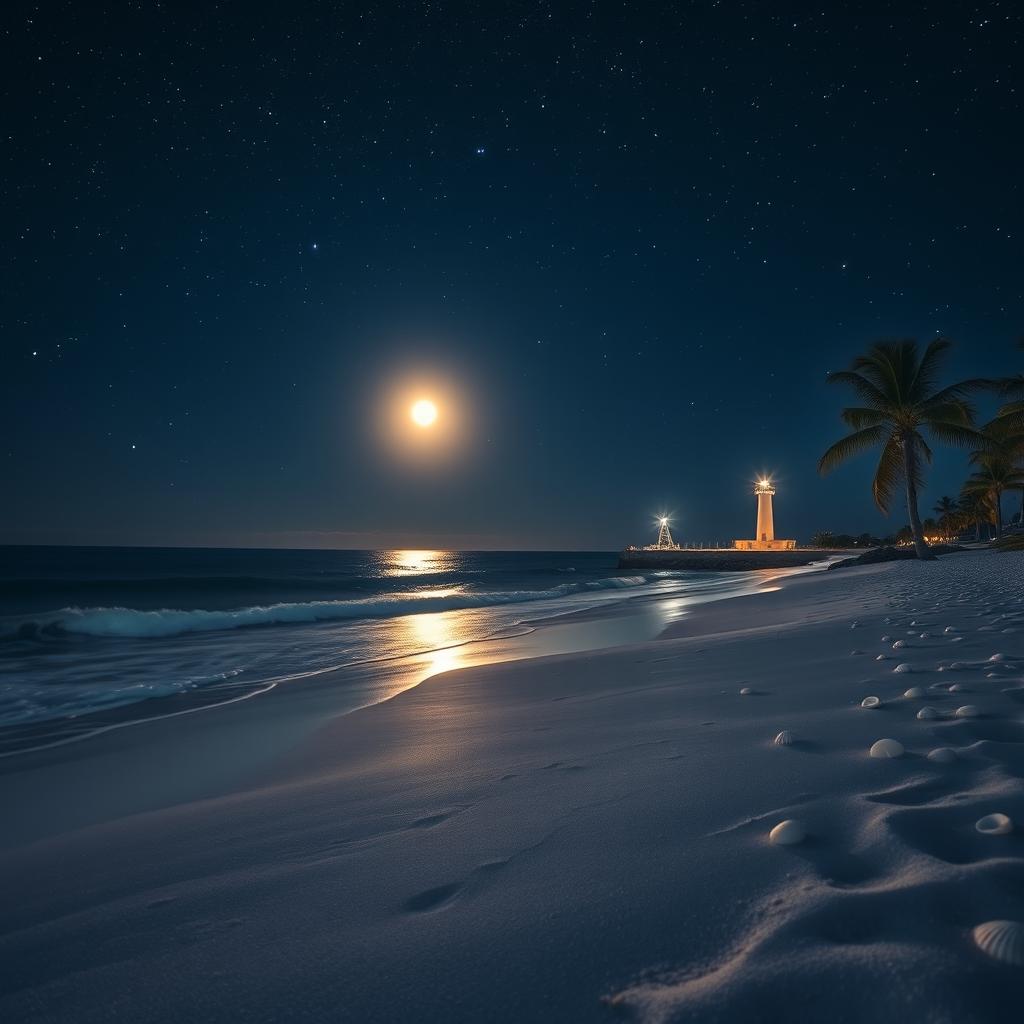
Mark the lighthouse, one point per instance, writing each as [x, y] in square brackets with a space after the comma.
[765, 522]
[764, 538]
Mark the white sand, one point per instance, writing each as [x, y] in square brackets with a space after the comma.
[572, 838]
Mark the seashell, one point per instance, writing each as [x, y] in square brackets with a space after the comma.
[914, 693]
[924, 636]
[998, 657]
[904, 667]
[787, 833]
[967, 711]
[899, 644]
[994, 825]
[881, 657]
[746, 691]
[926, 714]
[958, 688]
[950, 629]
[871, 702]
[942, 755]
[1001, 940]
[784, 739]
[887, 748]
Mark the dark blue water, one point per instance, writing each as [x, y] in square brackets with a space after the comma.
[89, 629]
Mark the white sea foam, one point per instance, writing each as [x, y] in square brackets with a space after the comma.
[137, 623]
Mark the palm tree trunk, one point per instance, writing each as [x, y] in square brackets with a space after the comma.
[999, 513]
[910, 471]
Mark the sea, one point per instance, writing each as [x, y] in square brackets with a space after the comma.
[88, 631]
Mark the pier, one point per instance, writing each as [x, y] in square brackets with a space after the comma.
[721, 559]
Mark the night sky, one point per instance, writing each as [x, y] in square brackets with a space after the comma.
[626, 240]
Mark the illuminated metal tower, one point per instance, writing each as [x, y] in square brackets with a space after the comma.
[765, 521]
[664, 534]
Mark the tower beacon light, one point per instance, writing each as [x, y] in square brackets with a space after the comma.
[764, 539]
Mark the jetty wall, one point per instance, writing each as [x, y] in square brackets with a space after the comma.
[723, 559]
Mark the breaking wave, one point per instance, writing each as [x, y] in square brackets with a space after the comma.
[142, 624]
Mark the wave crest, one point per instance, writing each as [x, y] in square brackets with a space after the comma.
[141, 624]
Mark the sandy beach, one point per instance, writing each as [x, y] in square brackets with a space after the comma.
[581, 837]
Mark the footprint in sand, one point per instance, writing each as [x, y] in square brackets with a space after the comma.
[441, 896]
[837, 867]
[432, 819]
[949, 834]
[431, 899]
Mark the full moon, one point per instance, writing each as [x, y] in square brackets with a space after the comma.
[423, 413]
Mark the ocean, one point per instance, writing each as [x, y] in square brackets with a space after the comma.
[89, 630]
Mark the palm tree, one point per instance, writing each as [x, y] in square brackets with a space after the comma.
[1003, 441]
[1012, 388]
[897, 387]
[995, 475]
[946, 509]
[976, 511]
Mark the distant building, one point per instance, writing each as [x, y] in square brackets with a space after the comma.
[765, 537]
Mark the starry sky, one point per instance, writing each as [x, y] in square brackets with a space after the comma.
[626, 240]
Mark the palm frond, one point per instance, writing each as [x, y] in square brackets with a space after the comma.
[889, 474]
[852, 444]
[927, 371]
[922, 446]
[865, 389]
[954, 433]
[1011, 387]
[953, 397]
[882, 366]
[1013, 414]
[859, 418]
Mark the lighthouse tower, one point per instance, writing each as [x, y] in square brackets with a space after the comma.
[765, 521]
[764, 540]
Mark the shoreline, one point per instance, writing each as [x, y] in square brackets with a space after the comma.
[591, 824]
[232, 745]
[45, 734]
